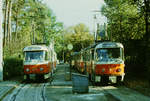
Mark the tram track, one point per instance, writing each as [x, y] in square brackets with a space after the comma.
[26, 91]
[8, 88]
[20, 91]
[13, 98]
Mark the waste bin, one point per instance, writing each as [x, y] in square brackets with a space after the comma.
[80, 83]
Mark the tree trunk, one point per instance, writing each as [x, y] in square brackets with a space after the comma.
[5, 22]
[9, 22]
[1, 44]
[16, 28]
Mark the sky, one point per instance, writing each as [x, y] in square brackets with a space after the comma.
[72, 12]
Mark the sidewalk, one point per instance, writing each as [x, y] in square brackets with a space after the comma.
[60, 76]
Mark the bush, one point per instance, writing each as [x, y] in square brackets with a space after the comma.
[12, 67]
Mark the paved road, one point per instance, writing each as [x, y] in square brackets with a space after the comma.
[61, 90]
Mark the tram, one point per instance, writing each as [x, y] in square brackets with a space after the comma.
[102, 62]
[39, 62]
[77, 61]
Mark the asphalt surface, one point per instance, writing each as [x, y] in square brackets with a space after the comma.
[61, 90]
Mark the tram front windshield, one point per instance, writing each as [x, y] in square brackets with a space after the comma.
[34, 55]
[108, 54]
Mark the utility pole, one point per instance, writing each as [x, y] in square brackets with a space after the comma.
[1, 44]
[95, 28]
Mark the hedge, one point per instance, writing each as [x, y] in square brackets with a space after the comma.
[12, 67]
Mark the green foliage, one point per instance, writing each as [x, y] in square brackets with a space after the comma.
[13, 67]
[32, 22]
[79, 36]
[125, 20]
[127, 24]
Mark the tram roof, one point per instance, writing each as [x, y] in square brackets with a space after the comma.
[35, 48]
[109, 45]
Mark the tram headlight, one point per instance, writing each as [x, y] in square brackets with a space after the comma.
[118, 70]
[41, 69]
[27, 69]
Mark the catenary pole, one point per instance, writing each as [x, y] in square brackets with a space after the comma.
[1, 44]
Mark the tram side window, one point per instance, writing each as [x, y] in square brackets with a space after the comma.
[50, 57]
[123, 54]
[92, 54]
[46, 56]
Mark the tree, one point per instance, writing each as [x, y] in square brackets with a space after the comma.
[147, 33]
[124, 19]
[129, 23]
[1, 44]
[31, 22]
[144, 8]
[79, 36]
